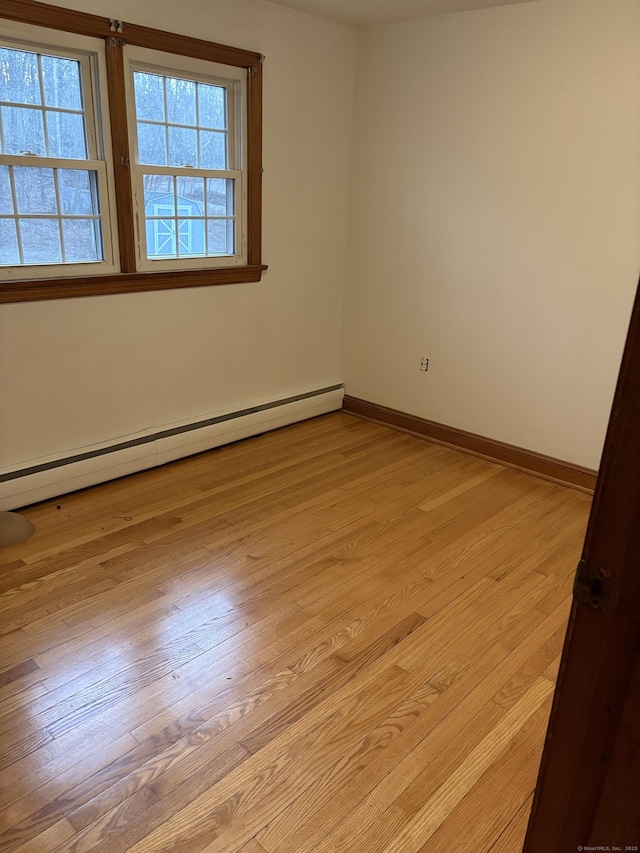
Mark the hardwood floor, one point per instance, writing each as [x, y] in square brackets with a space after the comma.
[332, 637]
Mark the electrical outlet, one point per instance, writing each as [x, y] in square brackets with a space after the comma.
[424, 364]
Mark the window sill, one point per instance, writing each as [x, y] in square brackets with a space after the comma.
[101, 285]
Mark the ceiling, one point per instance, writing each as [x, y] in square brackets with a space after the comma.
[367, 13]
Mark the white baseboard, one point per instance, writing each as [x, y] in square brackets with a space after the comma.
[38, 481]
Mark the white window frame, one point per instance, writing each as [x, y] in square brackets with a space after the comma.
[91, 55]
[234, 80]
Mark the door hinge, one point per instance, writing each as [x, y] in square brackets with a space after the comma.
[115, 25]
[592, 586]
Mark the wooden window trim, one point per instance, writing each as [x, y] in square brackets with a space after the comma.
[129, 280]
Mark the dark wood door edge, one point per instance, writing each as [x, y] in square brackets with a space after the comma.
[589, 785]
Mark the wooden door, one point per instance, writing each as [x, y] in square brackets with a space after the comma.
[588, 791]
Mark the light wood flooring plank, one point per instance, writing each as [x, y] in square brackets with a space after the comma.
[451, 793]
[512, 839]
[506, 783]
[332, 637]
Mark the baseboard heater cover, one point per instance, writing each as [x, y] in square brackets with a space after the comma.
[43, 480]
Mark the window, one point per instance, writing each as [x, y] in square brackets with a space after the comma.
[54, 209]
[185, 132]
[130, 159]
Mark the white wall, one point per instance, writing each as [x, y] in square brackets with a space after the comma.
[494, 226]
[495, 219]
[79, 372]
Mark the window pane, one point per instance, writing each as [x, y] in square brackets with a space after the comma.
[212, 106]
[191, 237]
[23, 130]
[149, 96]
[35, 190]
[80, 240]
[161, 238]
[181, 101]
[220, 197]
[213, 150]
[231, 236]
[152, 144]
[41, 241]
[8, 242]
[191, 194]
[19, 77]
[158, 189]
[182, 124]
[78, 193]
[6, 199]
[61, 82]
[183, 145]
[66, 135]
[56, 219]
[218, 241]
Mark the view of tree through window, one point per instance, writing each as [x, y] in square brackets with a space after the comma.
[49, 204]
[130, 157]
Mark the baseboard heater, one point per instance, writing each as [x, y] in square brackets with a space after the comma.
[50, 477]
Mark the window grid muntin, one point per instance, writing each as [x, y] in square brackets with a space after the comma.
[95, 170]
[235, 95]
[232, 220]
[86, 94]
[229, 111]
